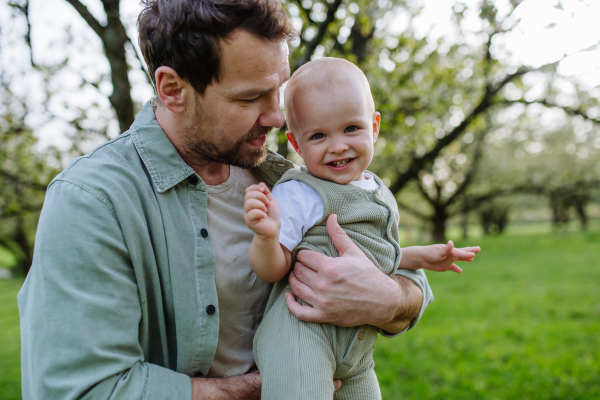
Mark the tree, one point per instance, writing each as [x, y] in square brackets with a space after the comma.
[24, 176]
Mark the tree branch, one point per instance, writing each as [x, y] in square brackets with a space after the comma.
[88, 17]
[312, 45]
[417, 163]
[568, 110]
[16, 179]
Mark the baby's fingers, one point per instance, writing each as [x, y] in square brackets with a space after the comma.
[456, 268]
[462, 254]
[254, 204]
[253, 216]
[256, 195]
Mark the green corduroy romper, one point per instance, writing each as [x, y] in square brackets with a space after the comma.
[298, 360]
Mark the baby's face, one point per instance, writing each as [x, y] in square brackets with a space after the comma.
[333, 130]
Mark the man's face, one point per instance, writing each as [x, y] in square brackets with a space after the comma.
[232, 118]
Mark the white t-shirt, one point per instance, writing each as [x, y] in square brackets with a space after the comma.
[301, 207]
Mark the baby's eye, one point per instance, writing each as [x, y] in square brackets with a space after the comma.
[352, 128]
[317, 136]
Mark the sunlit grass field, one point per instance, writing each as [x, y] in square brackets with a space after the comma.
[521, 322]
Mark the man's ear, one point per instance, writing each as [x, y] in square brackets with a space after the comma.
[171, 89]
[292, 140]
[376, 123]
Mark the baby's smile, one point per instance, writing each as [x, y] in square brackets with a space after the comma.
[341, 163]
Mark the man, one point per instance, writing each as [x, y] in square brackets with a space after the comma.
[140, 277]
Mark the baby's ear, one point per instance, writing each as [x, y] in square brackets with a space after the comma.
[376, 124]
[293, 141]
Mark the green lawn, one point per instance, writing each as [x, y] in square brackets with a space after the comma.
[10, 363]
[522, 322]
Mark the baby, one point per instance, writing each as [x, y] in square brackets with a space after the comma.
[333, 126]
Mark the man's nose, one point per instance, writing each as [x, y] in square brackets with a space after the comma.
[272, 114]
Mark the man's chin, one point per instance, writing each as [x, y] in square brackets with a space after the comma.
[251, 158]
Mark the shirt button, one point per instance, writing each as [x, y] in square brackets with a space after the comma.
[210, 309]
[361, 336]
[204, 232]
[193, 180]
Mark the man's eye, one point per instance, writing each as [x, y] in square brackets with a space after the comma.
[352, 128]
[250, 100]
[317, 136]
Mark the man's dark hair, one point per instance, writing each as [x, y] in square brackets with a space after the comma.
[185, 34]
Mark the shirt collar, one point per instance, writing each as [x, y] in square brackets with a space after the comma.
[165, 165]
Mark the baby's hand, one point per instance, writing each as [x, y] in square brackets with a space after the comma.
[261, 211]
[440, 257]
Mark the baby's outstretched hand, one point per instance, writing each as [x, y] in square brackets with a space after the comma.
[261, 211]
[440, 257]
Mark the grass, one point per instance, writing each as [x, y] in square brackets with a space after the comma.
[522, 322]
[10, 358]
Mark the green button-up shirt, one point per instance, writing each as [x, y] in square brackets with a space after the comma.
[116, 305]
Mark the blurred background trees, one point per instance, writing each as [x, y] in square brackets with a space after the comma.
[469, 133]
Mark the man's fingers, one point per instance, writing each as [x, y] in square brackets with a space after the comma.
[310, 259]
[337, 383]
[299, 285]
[339, 238]
[303, 313]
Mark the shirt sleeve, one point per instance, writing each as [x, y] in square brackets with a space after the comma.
[301, 207]
[80, 308]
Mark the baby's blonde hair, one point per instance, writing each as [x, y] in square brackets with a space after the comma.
[321, 75]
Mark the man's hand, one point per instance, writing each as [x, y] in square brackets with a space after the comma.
[350, 290]
[235, 387]
[246, 387]
[437, 257]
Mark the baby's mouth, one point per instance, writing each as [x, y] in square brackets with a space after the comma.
[340, 163]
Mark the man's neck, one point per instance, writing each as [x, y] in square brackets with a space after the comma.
[212, 174]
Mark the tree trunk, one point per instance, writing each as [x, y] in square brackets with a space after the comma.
[581, 214]
[114, 38]
[465, 224]
[439, 225]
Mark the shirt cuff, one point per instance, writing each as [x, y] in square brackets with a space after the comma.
[164, 383]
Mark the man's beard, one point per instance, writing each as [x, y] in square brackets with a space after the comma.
[202, 150]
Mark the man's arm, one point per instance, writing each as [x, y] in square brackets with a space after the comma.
[236, 387]
[350, 290]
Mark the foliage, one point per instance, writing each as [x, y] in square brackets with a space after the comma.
[24, 175]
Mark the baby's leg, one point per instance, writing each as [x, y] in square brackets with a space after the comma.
[363, 386]
[295, 358]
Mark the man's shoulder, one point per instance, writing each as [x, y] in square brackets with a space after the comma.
[109, 168]
[274, 166]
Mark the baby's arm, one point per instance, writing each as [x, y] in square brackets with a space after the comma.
[269, 259]
[436, 257]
